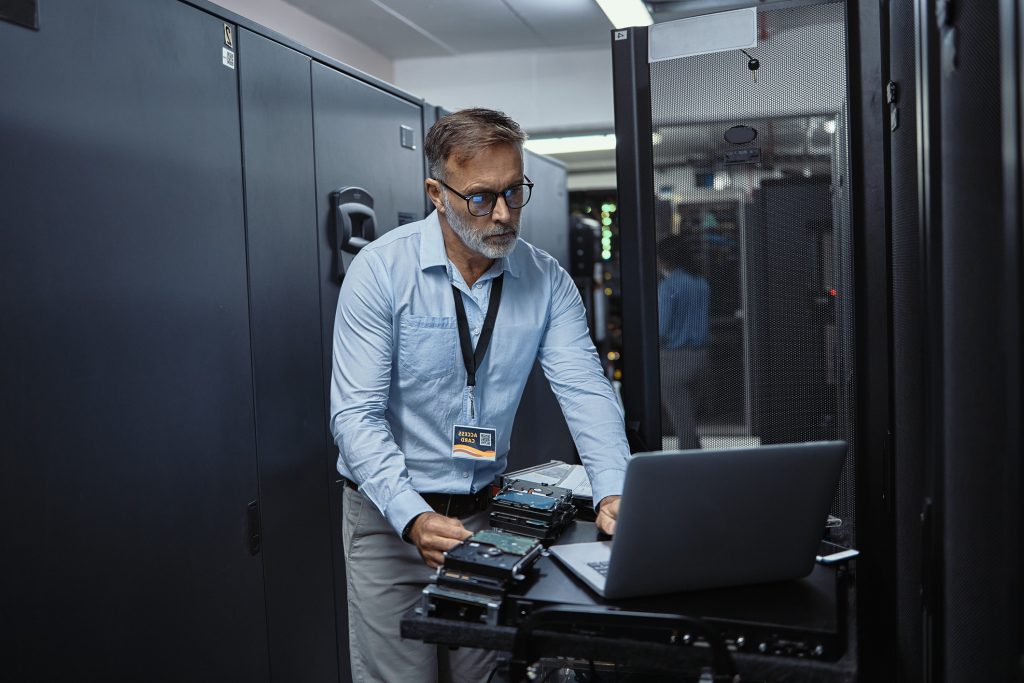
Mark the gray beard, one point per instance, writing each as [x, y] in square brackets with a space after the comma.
[474, 238]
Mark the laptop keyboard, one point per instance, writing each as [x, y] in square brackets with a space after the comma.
[599, 567]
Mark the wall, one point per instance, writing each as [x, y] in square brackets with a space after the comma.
[593, 180]
[546, 91]
[304, 29]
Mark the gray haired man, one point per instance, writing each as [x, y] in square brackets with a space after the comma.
[438, 325]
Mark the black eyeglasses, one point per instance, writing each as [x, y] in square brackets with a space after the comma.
[482, 203]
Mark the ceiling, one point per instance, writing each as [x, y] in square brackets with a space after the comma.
[407, 29]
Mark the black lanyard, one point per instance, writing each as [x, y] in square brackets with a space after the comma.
[472, 358]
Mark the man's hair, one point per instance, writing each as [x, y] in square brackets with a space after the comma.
[464, 133]
[677, 251]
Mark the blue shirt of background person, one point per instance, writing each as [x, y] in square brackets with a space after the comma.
[683, 310]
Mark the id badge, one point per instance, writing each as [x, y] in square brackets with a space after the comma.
[473, 443]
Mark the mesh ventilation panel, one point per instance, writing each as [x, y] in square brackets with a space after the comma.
[754, 248]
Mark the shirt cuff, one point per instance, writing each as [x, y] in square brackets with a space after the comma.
[403, 508]
[607, 483]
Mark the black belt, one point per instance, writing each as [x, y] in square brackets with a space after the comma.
[451, 504]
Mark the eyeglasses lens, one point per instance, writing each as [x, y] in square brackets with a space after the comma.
[517, 196]
[481, 203]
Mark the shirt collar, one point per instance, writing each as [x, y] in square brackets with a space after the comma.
[432, 251]
[432, 243]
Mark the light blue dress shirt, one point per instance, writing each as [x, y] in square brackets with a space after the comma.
[399, 383]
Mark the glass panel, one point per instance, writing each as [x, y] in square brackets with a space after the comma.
[754, 249]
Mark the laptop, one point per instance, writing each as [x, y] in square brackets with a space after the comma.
[699, 519]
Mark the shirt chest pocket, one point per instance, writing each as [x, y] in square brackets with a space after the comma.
[427, 346]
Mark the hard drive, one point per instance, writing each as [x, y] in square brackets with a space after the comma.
[490, 559]
[532, 509]
[446, 602]
[534, 501]
[545, 532]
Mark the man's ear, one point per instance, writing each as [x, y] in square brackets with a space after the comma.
[434, 192]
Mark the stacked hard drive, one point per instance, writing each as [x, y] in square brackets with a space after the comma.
[532, 509]
[476, 575]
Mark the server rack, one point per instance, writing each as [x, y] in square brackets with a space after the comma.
[978, 123]
[170, 274]
[277, 133]
[172, 312]
[378, 160]
[129, 429]
[914, 317]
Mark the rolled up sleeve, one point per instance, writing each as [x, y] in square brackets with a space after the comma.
[360, 382]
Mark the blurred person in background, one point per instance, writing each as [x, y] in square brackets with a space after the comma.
[682, 332]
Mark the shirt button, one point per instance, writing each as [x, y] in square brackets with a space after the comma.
[465, 475]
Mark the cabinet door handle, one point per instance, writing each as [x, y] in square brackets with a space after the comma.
[252, 532]
[21, 12]
[355, 222]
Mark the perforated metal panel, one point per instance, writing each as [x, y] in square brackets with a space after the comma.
[755, 253]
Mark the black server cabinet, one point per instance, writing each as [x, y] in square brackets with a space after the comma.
[978, 115]
[128, 430]
[912, 318]
[280, 200]
[366, 138]
[792, 311]
[362, 139]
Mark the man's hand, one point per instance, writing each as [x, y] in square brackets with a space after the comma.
[433, 534]
[607, 511]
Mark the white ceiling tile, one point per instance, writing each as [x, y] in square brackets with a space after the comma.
[445, 27]
[568, 23]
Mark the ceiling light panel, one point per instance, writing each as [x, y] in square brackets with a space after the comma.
[569, 145]
[626, 13]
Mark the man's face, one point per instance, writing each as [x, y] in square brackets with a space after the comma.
[493, 169]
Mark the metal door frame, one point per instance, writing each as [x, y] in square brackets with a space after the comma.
[869, 166]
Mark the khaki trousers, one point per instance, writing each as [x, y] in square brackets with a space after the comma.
[385, 577]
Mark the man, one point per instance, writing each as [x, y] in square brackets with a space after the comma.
[438, 325]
